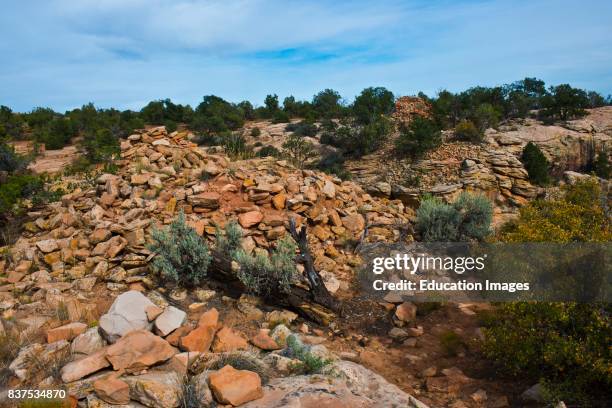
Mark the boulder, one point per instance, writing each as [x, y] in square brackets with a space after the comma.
[263, 341]
[138, 350]
[201, 338]
[235, 387]
[171, 319]
[88, 342]
[406, 312]
[228, 340]
[127, 313]
[47, 245]
[250, 218]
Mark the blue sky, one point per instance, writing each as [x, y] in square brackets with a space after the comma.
[124, 53]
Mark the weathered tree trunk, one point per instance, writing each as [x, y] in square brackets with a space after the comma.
[314, 303]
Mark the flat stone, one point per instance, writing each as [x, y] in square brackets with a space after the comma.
[170, 319]
[80, 368]
[235, 387]
[138, 350]
[228, 340]
[112, 390]
[155, 389]
[65, 332]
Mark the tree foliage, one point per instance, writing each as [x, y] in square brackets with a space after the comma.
[418, 137]
[536, 164]
[371, 104]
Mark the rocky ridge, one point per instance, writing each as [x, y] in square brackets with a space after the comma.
[78, 294]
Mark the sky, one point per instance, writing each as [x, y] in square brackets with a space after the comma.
[125, 53]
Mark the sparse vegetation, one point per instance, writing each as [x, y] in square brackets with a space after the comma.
[467, 219]
[451, 343]
[240, 360]
[182, 256]
[466, 130]
[298, 150]
[309, 363]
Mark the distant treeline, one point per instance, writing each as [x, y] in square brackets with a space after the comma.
[482, 106]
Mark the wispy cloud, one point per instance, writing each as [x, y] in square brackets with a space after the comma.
[123, 53]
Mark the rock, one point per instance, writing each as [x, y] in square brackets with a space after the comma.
[406, 312]
[281, 316]
[479, 396]
[250, 219]
[236, 387]
[112, 390]
[429, 372]
[354, 223]
[329, 189]
[354, 387]
[156, 389]
[152, 312]
[263, 341]
[201, 338]
[138, 350]
[208, 200]
[65, 332]
[80, 368]
[278, 201]
[47, 245]
[127, 313]
[88, 342]
[228, 340]
[534, 394]
[171, 319]
[398, 334]
[21, 365]
[280, 334]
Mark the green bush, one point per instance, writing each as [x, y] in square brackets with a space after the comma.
[417, 138]
[281, 117]
[451, 343]
[466, 130]
[265, 275]
[100, 145]
[9, 160]
[236, 147]
[309, 363]
[256, 132]
[467, 219]
[268, 151]
[565, 344]
[602, 165]
[333, 163]
[298, 150]
[215, 115]
[302, 128]
[536, 164]
[371, 104]
[564, 102]
[182, 256]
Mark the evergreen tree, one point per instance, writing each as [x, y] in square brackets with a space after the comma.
[536, 164]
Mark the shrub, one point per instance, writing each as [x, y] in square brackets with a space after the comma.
[309, 363]
[302, 128]
[298, 150]
[567, 344]
[240, 360]
[281, 117]
[327, 104]
[268, 151]
[333, 163]
[9, 160]
[255, 132]
[100, 145]
[451, 343]
[466, 130]
[265, 275]
[536, 164]
[486, 116]
[420, 136]
[467, 219]
[602, 165]
[182, 256]
[215, 115]
[236, 147]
